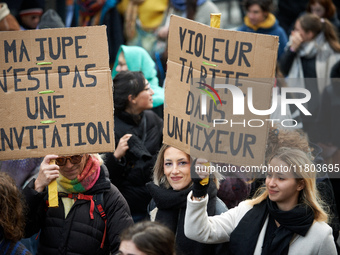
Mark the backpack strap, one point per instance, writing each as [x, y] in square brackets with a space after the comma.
[84, 197]
[99, 202]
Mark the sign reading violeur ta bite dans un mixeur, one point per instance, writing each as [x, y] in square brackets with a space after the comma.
[202, 60]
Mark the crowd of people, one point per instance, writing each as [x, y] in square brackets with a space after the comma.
[151, 198]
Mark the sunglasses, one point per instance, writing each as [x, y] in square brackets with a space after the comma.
[76, 159]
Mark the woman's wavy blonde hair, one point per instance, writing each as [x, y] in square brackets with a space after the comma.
[309, 195]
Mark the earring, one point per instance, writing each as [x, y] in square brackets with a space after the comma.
[163, 179]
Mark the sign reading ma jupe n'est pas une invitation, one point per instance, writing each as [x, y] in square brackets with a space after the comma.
[55, 93]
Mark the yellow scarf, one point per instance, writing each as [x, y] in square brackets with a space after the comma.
[267, 23]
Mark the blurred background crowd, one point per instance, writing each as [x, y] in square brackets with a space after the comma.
[137, 32]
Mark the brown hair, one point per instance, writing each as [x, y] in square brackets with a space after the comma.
[158, 171]
[265, 5]
[292, 138]
[152, 238]
[312, 23]
[12, 218]
[330, 8]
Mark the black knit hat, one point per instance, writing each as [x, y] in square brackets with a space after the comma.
[32, 7]
[51, 19]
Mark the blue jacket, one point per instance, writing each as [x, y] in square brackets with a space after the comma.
[273, 30]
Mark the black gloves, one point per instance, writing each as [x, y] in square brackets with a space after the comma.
[200, 188]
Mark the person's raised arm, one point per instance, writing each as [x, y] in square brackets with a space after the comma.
[122, 146]
[198, 225]
[287, 57]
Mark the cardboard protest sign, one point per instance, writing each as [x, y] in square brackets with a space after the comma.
[204, 117]
[55, 92]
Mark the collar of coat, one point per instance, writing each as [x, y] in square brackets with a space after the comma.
[267, 23]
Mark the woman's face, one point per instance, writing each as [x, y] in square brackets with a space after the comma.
[256, 15]
[177, 168]
[71, 171]
[318, 10]
[129, 248]
[281, 185]
[306, 36]
[122, 66]
[143, 101]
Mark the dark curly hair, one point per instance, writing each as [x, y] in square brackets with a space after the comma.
[12, 218]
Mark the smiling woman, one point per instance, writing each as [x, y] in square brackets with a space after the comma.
[283, 188]
[177, 168]
[172, 181]
[286, 215]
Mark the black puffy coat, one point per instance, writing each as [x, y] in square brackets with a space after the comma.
[77, 233]
[135, 169]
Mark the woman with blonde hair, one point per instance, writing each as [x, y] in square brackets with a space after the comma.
[171, 184]
[295, 138]
[285, 217]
